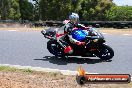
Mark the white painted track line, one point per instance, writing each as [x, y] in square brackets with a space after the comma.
[64, 72]
[122, 34]
[12, 30]
[104, 33]
[126, 34]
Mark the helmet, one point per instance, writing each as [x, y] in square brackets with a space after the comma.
[74, 17]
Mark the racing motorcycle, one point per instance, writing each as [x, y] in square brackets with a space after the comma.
[95, 45]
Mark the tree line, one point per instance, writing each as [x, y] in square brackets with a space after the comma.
[16, 10]
[91, 10]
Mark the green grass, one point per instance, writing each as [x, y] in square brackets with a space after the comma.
[7, 68]
[54, 75]
[27, 70]
[13, 69]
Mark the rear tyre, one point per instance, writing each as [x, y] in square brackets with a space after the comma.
[105, 52]
[54, 48]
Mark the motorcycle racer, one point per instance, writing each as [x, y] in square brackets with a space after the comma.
[68, 28]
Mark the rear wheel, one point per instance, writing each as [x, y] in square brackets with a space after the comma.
[54, 48]
[105, 52]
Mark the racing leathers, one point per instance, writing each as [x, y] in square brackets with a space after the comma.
[68, 28]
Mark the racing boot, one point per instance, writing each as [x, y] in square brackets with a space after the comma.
[68, 50]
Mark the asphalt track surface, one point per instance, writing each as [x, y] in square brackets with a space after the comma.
[29, 49]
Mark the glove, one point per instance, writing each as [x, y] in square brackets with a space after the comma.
[80, 43]
[43, 32]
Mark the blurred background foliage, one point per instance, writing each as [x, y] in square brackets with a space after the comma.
[90, 10]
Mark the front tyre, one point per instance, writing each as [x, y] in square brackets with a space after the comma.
[54, 48]
[105, 52]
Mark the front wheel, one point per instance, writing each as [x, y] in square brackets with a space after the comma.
[105, 52]
[54, 48]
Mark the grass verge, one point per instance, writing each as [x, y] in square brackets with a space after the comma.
[55, 75]
[13, 69]
[115, 31]
[105, 30]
